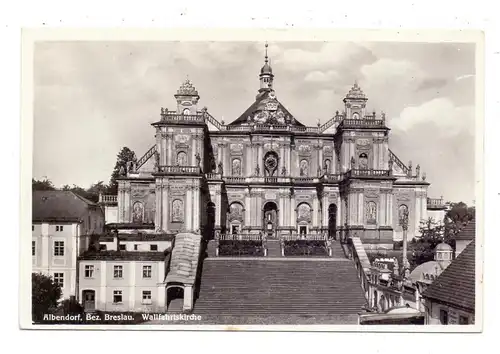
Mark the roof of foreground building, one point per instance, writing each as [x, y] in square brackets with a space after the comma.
[456, 285]
[60, 206]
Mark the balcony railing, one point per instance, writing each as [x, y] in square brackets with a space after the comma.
[307, 237]
[182, 170]
[174, 117]
[355, 123]
[435, 203]
[108, 199]
[235, 179]
[212, 176]
[239, 237]
[331, 178]
[367, 173]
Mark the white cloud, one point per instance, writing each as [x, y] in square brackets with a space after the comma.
[461, 77]
[439, 113]
[321, 76]
[394, 74]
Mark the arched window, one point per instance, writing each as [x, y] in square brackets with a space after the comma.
[327, 166]
[355, 116]
[181, 158]
[186, 111]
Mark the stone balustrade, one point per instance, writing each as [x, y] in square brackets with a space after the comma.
[180, 170]
[108, 199]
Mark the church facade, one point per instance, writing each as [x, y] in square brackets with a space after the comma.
[267, 173]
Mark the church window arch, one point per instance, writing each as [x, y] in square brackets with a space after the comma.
[363, 161]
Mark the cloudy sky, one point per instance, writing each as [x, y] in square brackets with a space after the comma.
[92, 98]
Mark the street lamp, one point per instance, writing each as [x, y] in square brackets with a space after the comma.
[403, 222]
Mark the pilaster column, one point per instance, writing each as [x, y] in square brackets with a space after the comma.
[383, 206]
[325, 210]
[193, 150]
[248, 162]
[45, 247]
[389, 209]
[169, 152]
[289, 160]
[315, 209]
[293, 218]
[165, 205]
[160, 302]
[218, 206]
[127, 203]
[423, 206]
[158, 205]
[360, 208]
[340, 211]
[282, 159]
[418, 211]
[258, 209]
[248, 209]
[320, 157]
[259, 159]
[196, 208]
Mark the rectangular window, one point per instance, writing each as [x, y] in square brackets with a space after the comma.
[146, 297]
[33, 248]
[59, 228]
[136, 247]
[32, 227]
[89, 271]
[59, 279]
[463, 320]
[153, 247]
[146, 271]
[118, 271]
[58, 248]
[123, 247]
[443, 317]
[117, 297]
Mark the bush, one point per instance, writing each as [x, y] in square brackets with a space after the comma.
[305, 248]
[45, 295]
[71, 307]
[241, 248]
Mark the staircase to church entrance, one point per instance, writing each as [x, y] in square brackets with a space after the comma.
[268, 286]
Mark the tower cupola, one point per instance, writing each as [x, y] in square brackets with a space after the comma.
[266, 75]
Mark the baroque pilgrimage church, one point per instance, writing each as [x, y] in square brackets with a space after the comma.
[195, 211]
[267, 172]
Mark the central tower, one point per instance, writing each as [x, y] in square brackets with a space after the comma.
[266, 75]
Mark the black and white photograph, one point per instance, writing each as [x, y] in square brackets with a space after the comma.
[254, 182]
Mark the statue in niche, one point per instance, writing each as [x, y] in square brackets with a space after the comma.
[138, 213]
[304, 168]
[181, 159]
[122, 171]
[131, 166]
[198, 159]
[257, 170]
[371, 212]
[236, 167]
[353, 163]
[363, 161]
[391, 162]
[221, 171]
[283, 171]
[326, 167]
[417, 170]
[177, 211]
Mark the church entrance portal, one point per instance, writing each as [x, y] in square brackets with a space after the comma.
[270, 219]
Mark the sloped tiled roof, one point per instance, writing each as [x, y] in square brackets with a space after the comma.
[255, 107]
[151, 256]
[468, 232]
[456, 285]
[184, 260]
[59, 206]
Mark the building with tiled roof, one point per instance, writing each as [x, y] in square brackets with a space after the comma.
[451, 297]
[62, 225]
[465, 236]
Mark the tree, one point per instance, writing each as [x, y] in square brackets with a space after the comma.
[124, 156]
[45, 295]
[42, 185]
[431, 230]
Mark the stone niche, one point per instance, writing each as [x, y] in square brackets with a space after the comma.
[142, 204]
